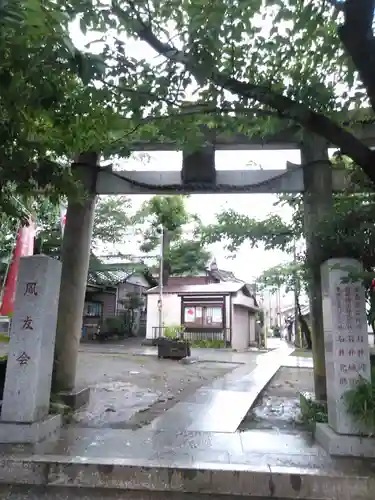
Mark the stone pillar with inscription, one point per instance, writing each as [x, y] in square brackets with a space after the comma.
[25, 409]
[347, 354]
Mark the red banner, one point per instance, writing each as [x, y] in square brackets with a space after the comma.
[62, 218]
[24, 247]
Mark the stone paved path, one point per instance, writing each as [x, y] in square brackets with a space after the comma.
[222, 405]
[202, 431]
[195, 449]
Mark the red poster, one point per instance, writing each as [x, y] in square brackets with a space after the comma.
[24, 247]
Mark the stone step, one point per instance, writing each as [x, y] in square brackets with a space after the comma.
[68, 493]
[146, 480]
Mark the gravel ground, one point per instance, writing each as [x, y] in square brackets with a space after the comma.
[278, 407]
[130, 391]
[289, 381]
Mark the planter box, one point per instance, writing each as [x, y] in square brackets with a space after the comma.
[173, 349]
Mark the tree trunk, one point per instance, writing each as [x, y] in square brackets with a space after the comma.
[75, 256]
[305, 332]
[305, 329]
[317, 174]
[372, 309]
[356, 34]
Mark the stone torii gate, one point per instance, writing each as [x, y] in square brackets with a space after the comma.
[314, 178]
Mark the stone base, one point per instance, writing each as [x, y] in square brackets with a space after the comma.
[75, 399]
[344, 445]
[29, 433]
[60, 477]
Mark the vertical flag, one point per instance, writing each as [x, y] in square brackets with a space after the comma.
[24, 247]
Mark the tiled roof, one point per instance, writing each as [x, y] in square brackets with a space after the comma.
[113, 274]
[222, 275]
[187, 280]
[107, 278]
[224, 287]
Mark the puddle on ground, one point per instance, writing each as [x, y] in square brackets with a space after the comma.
[274, 413]
[113, 404]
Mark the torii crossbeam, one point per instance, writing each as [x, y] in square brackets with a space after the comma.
[199, 175]
[227, 181]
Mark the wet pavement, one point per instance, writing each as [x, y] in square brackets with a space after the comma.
[133, 346]
[209, 355]
[129, 391]
[298, 362]
[279, 407]
[210, 415]
[201, 428]
[222, 405]
[131, 387]
[196, 447]
[187, 448]
[212, 450]
[116, 403]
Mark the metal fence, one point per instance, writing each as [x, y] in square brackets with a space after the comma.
[200, 336]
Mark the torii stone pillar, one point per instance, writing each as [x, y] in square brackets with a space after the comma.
[317, 176]
[75, 256]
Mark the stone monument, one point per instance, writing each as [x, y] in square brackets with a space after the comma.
[347, 356]
[25, 409]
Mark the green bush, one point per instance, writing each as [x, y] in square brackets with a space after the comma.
[360, 403]
[114, 325]
[173, 331]
[312, 411]
[213, 344]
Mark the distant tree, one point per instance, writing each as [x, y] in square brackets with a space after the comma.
[111, 225]
[183, 249]
[188, 257]
[132, 302]
[291, 276]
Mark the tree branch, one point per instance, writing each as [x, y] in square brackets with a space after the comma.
[358, 40]
[337, 4]
[314, 122]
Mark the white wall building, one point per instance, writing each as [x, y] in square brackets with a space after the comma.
[217, 311]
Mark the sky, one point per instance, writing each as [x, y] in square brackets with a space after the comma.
[246, 263]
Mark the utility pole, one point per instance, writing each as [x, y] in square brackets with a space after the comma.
[278, 307]
[297, 337]
[161, 281]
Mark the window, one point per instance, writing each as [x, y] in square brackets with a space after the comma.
[93, 309]
[205, 316]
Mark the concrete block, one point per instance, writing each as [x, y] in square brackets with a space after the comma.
[344, 445]
[75, 399]
[32, 432]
